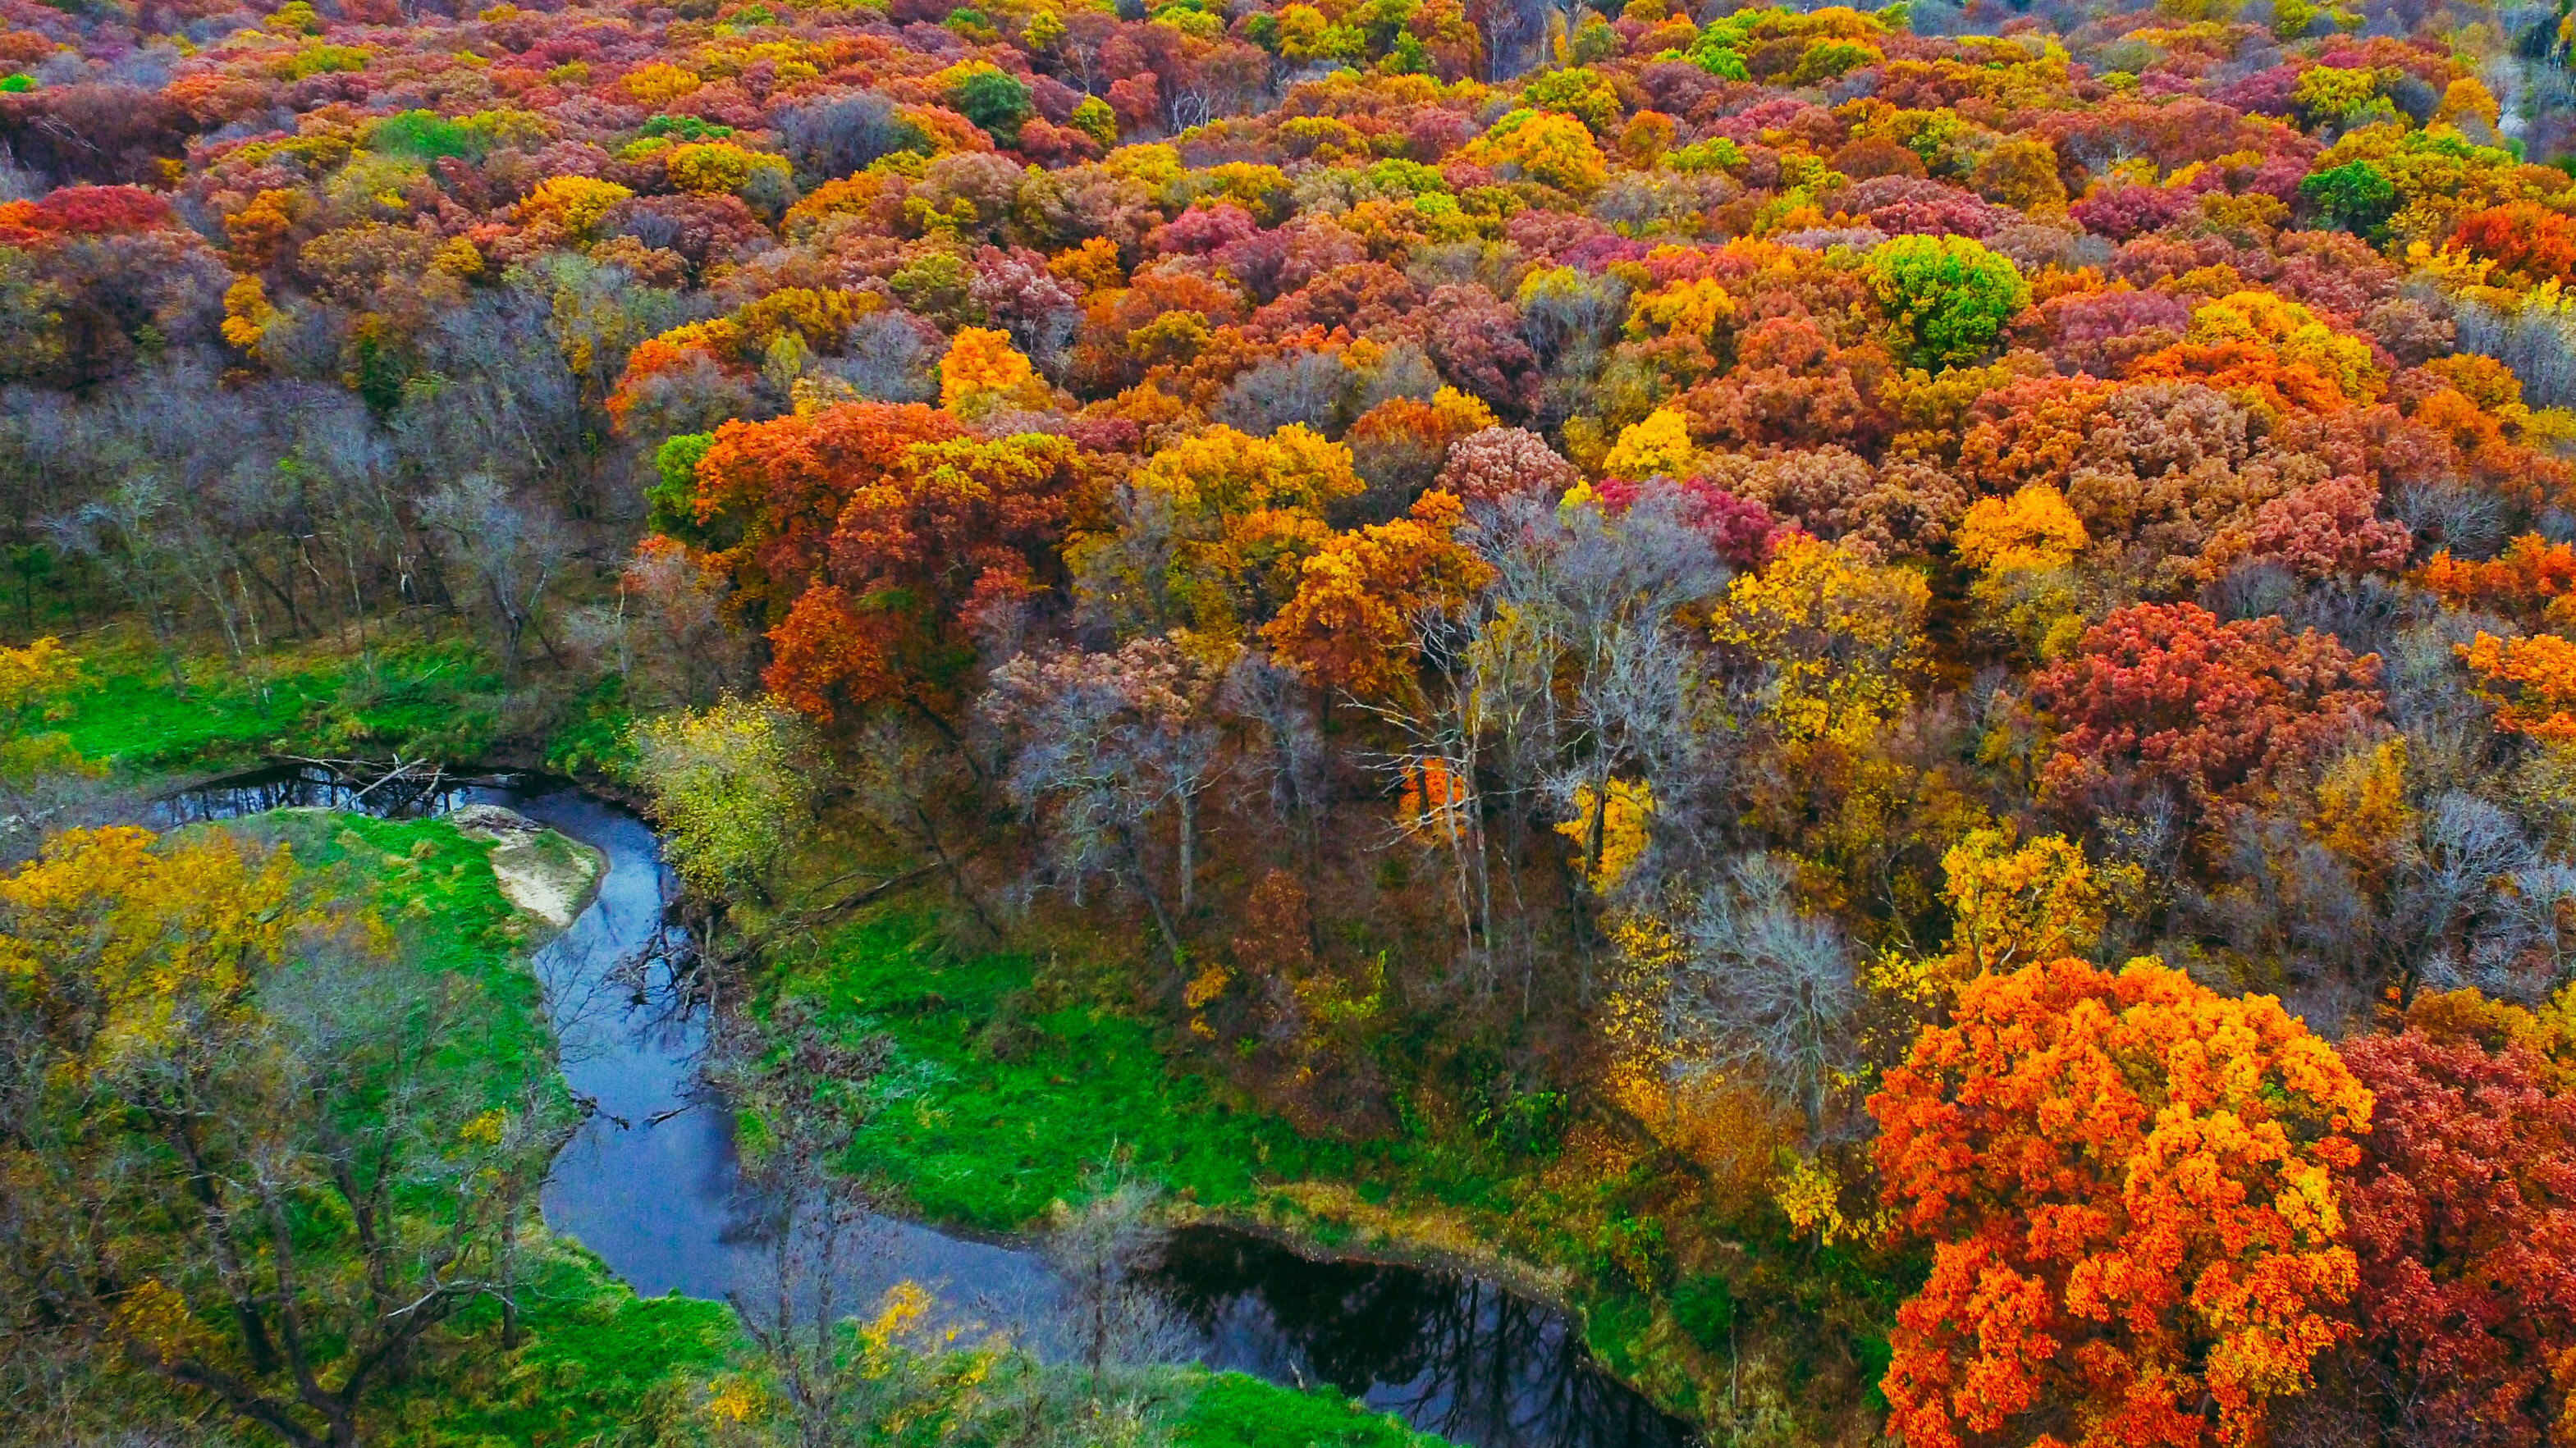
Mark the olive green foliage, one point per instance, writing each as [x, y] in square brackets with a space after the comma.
[1947, 297]
[670, 503]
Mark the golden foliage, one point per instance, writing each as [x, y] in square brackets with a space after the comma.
[1843, 636]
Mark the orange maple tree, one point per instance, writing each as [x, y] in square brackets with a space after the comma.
[1351, 624]
[773, 490]
[2531, 681]
[875, 538]
[2127, 1181]
[2530, 576]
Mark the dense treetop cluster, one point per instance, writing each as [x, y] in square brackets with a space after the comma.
[1737, 564]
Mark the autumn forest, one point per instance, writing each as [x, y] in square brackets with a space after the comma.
[1882, 704]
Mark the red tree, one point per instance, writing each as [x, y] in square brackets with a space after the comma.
[875, 538]
[2167, 693]
[2463, 1214]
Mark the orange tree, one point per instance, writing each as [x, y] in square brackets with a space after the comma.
[1352, 622]
[768, 493]
[875, 538]
[2127, 1180]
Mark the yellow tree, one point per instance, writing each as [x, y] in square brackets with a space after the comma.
[730, 785]
[2023, 549]
[262, 1102]
[1841, 637]
[33, 681]
[983, 373]
[1211, 534]
[2010, 905]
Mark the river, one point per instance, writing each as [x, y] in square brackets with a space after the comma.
[649, 1182]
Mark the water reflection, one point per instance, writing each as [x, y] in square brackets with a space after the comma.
[409, 795]
[1452, 1354]
[652, 1184]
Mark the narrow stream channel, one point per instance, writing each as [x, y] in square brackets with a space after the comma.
[649, 1183]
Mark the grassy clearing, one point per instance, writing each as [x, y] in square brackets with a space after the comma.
[996, 1105]
[599, 1366]
[1001, 1098]
[415, 695]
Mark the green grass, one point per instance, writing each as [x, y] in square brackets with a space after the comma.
[1234, 1411]
[599, 1365]
[418, 697]
[991, 1110]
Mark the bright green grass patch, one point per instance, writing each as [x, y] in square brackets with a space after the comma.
[986, 1115]
[992, 1108]
[1234, 1411]
[435, 891]
[598, 1365]
[419, 698]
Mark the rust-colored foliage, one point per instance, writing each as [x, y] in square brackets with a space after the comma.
[2463, 1215]
[2126, 1179]
[2167, 695]
[877, 537]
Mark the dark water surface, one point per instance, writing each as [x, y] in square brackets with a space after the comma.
[649, 1183]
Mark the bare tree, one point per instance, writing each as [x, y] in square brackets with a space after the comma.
[1765, 989]
[819, 1228]
[124, 533]
[1106, 1249]
[511, 549]
[1280, 702]
[1100, 748]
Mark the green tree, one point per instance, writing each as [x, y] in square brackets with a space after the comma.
[1947, 296]
[671, 502]
[994, 100]
[2354, 196]
[729, 785]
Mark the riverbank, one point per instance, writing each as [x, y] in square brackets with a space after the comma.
[476, 896]
[1011, 1083]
